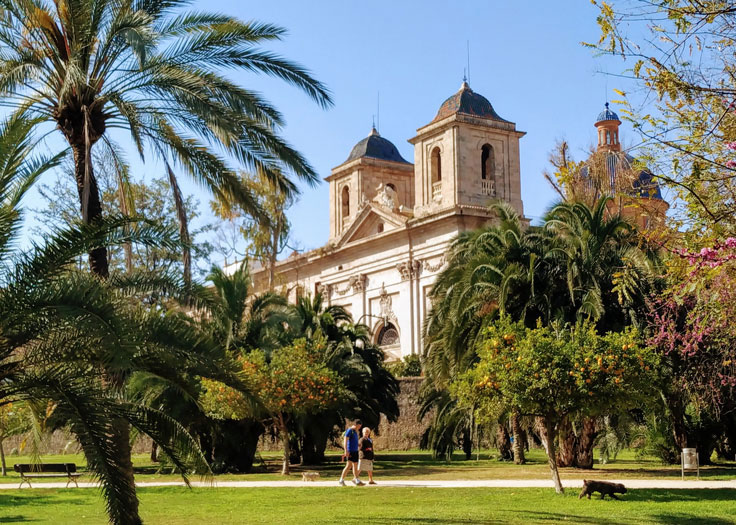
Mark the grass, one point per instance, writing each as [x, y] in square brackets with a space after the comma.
[375, 505]
[421, 465]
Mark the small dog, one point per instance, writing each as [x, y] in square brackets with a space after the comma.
[310, 476]
[604, 487]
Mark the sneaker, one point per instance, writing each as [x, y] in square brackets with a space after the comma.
[358, 483]
[341, 482]
[371, 482]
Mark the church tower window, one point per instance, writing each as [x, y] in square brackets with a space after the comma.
[488, 170]
[345, 203]
[436, 165]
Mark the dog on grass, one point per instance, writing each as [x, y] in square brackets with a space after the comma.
[310, 476]
[604, 487]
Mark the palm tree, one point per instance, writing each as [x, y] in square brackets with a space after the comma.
[608, 268]
[89, 66]
[60, 326]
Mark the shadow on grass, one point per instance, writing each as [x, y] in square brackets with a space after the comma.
[15, 519]
[672, 495]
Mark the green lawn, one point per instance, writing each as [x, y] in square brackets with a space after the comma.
[375, 505]
[420, 465]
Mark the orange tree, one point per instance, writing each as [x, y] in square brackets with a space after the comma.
[293, 382]
[553, 371]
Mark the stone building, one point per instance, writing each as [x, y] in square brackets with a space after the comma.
[391, 221]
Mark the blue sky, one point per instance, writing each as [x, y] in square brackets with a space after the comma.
[525, 57]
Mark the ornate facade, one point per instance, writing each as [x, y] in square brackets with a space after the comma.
[392, 221]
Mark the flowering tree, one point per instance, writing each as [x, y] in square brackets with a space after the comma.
[295, 382]
[551, 372]
[692, 329]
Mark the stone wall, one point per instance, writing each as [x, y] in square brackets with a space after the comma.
[406, 432]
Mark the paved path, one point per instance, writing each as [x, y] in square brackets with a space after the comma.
[450, 484]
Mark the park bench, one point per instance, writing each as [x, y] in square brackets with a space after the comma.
[47, 470]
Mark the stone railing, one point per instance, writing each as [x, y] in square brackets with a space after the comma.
[437, 190]
[487, 187]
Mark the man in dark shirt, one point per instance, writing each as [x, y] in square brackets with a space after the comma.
[366, 455]
[350, 444]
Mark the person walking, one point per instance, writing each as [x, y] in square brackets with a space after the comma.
[350, 440]
[365, 463]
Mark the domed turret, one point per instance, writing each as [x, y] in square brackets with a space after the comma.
[468, 102]
[607, 124]
[376, 147]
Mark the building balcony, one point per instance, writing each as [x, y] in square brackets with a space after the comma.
[487, 187]
[437, 190]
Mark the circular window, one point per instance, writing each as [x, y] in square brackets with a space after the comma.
[388, 335]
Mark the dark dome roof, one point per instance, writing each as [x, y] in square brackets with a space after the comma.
[468, 102]
[606, 114]
[376, 147]
[644, 185]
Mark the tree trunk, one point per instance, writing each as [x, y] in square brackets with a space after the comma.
[91, 208]
[677, 416]
[181, 215]
[467, 443]
[154, 452]
[519, 438]
[3, 467]
[284, 432]
[90, 205]
[549, 427]
[568, 441]
[503, 441]
[586, 442]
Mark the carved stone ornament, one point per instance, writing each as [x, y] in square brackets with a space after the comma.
[325, 290]
[433, 268]
[404, 269]
[358, 282]
[385, 303]
[386, 197]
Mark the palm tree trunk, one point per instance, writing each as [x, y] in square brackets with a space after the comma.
[586, 442]
[91, 207]
[503, 441]
[568, 443]
[181, 215]
[90, 204]
[519, 437]
[550, 431]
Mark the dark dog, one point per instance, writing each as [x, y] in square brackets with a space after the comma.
[604, 487]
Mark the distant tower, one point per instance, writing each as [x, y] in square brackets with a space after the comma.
[611, 171]
[607, 125]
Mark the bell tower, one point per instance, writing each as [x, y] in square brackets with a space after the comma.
[467, 156]
[607, 125]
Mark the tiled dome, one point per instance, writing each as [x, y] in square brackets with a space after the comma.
[467, 102]
[376, 147]
[644, 185]
[606, 114]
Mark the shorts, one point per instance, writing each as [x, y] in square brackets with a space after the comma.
[353, 456]
[366, 464]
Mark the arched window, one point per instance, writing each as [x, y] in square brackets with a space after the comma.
[345, 202]
[388, 335]
[391, 185]
[380, 227]
[608, 137]
[487, 163]
[436, 165]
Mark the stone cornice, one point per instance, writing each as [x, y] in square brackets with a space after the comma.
[339, 170]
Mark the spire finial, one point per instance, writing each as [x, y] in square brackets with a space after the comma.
[606, 105]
